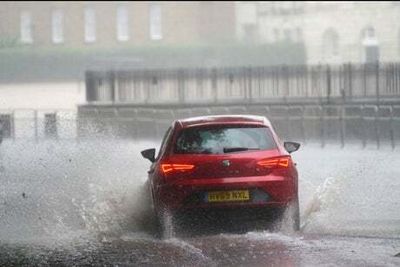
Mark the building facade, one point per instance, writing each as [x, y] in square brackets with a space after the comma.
[105, 24]
[333, 32]
[39, 95]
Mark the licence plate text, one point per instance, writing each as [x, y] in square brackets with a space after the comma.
[226, 196]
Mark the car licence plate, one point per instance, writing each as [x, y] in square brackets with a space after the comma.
[227, 196]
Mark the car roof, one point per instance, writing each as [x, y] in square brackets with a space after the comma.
[224, 119]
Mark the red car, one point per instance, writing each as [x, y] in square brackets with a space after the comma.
[222, 163]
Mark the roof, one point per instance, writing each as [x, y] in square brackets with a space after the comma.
[224, 119]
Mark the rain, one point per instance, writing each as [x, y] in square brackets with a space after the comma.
[86, 86]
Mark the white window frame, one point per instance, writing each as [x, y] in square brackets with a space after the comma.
[57, 26]
[26, 27]
[90, 25]
[155, 15]
[122, 21]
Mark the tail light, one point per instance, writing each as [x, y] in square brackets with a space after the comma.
[167, 168]
[275, 163]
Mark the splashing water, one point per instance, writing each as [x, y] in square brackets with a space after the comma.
[350, 191]
[58, 190]
[55, 189]
[325, 195]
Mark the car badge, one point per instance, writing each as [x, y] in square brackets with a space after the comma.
[226, 163]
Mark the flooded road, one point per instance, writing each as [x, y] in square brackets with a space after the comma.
[68, 203]
[251, 249]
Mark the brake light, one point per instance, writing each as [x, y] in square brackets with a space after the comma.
[168, 168]
[275, 163]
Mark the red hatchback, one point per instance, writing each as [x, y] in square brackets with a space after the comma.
[220, 163]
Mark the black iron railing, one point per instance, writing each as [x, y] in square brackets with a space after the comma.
[347, 82]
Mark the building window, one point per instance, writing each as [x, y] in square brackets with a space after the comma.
[368, 33]
[370, 45]
[57, 26]
[26, 27]
[90, 25]
[155, 21]
[5, 126]
[122, 23]
[330, 44]
[50, 125]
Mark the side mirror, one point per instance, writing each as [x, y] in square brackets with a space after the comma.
[149, 154]
[291, 146]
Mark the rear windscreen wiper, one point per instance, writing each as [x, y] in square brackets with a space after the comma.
[237, 149]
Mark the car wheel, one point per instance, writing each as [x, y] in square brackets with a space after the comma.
[296, 216]
[166, 224]
[291, 216]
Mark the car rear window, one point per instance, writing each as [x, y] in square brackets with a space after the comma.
[224, 139]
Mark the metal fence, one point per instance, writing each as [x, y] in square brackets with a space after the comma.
[366, 125]
[376, 125]
[29, 124]
[347, 82]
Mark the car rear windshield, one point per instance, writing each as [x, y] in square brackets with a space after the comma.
[224, 139]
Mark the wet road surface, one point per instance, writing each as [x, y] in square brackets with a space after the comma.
[251, 249]
[70, 204]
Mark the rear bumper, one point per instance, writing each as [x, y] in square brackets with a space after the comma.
[265, 191]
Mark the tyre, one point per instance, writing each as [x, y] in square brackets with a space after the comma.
[286, 219]
[295, 215]
[166, 224]
[291, 216]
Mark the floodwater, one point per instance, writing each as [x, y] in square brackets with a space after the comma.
[82, 203]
